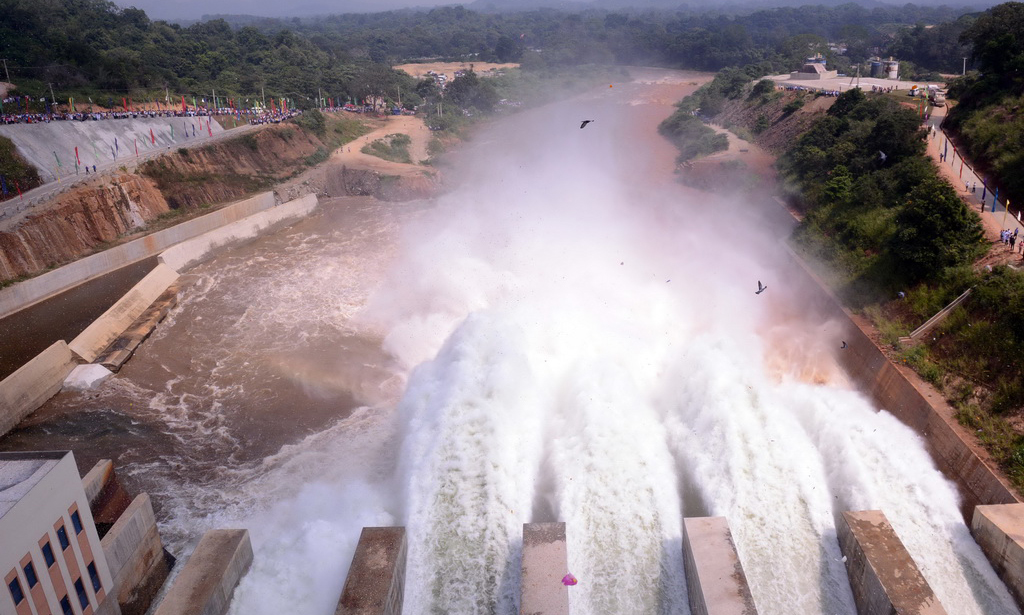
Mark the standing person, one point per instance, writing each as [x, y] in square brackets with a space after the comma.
[1013, 239]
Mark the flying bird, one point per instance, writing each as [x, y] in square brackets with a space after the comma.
[844, 344]
[584, 123]
[882, 155]
[760, 288]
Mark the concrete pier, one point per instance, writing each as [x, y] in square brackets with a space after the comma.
[208, 580]
[715, 581]
[376, 578]
[999, 530]
[884, 578]
[135, 554]
[544, 564]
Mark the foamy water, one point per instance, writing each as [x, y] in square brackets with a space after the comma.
[565, 340]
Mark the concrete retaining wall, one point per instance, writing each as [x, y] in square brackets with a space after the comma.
[376, 578]
[884, 578]
[194, 251]
[999, 529]
[105, 329]
[205, 585]
[135, 556]
[38, 143]
[545, 562]
[715, 582]
[29, 292]
[33, 384]
[917, 404]
[107, 498]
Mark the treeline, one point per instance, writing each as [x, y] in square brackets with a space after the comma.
[987, 121]
[877, 209]
[91, 48]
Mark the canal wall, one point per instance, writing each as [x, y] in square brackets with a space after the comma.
[902, 393]
[999, 529]
[545, 562]
[194, 251]
[34, 383]
[29, 292]
[715, 581]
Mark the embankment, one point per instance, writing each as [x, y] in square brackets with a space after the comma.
[100, 142]
[232, 168]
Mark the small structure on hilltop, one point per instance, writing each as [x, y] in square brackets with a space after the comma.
[814, 68]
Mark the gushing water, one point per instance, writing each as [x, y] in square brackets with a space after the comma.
[574, 342]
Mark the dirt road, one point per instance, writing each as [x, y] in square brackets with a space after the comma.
[351, 156]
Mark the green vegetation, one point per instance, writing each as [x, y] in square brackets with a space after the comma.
[987, 119]
[93, 49]
[883, 224]
[14, 168]
[693, 138]
[392, 147]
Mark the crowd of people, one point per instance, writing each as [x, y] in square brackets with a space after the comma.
[253, 116]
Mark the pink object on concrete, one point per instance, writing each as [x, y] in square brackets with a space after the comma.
[569, 580]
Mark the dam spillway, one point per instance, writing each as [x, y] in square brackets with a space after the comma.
[562, 338]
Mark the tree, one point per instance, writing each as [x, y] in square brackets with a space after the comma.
[935, 230]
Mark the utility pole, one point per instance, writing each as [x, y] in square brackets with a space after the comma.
[53, 99]
[5, 71]
[965, 67]
[263, 95]
[214, 100]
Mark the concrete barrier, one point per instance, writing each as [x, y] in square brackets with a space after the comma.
[999, 530]
[135, 555]
[917, 404]
[545, 562]
[205, 585]
[33, 384]
[884, 578]
[194, 251]
[43, 144]
[107, 498]
[376, 577]
[715, 582]
[24, 294]
[105, 329]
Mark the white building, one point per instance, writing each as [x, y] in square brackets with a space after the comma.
[51, 558]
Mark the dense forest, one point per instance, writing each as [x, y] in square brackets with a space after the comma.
[93, 49]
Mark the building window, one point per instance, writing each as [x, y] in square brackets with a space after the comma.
[76, 521]
[48, 554]
[62, 536]
[65, 606]
[30, 575]
[96, 585]
[16, 593]
[83, 598]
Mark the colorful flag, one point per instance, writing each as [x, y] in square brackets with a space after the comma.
[152, 137]
[18, 186]
[136, 148]
[57, 159]
[71, 103]
[116, 147]
[184, 108]
[78, 160]
[3, 184]
[124, 103]
[172, 131]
